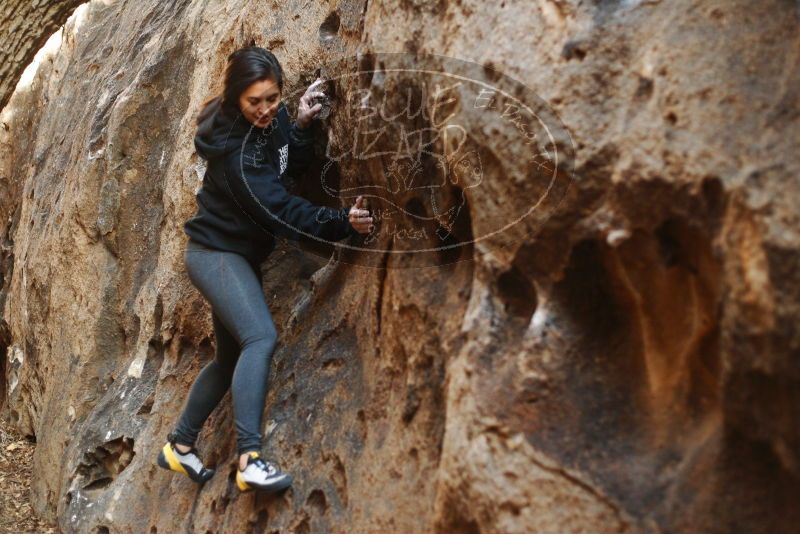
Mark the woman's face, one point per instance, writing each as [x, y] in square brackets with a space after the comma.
[259, 102]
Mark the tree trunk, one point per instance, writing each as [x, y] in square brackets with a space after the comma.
[25, 27]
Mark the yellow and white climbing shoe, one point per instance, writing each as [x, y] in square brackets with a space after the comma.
[261, 475]
[188, 463]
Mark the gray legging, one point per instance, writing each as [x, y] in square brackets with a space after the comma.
[246, 337]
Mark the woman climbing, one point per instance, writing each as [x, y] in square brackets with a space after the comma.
[249, 141]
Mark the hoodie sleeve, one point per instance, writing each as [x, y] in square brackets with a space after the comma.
[257, 189]
[300, 149]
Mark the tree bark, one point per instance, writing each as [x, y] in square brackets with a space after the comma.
[25, 26]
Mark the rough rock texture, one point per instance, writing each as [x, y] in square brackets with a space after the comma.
[629, 364]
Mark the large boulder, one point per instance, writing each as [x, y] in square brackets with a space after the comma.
[625, 359]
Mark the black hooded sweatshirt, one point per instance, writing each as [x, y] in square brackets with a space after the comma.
[243, 203]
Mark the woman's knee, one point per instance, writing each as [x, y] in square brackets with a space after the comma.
[265, 338]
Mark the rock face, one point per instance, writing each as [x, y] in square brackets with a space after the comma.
[628, 363]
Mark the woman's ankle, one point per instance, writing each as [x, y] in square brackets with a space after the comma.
[243, 460]
[172, 437]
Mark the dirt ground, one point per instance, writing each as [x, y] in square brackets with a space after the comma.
[16, 514]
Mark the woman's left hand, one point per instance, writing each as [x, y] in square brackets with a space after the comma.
[359, 216]
[307, 110]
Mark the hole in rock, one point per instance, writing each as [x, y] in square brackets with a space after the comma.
[456, 243]
[316, 500]
[491, 72]
[668, 246]
[518, 294]
[101, 466]
[329, 28]
[100, 483]
[644, 88]
[714, 196]
[147, 405]
[574, 50]
[641, 361]
[332, 365]
[411, 405]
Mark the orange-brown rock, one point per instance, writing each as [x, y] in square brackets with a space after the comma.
[627, 362]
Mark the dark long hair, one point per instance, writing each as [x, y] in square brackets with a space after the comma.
[245, 66]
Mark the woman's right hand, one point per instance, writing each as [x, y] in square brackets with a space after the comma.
[359, 216]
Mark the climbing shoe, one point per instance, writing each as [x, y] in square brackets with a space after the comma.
[188, 463]
[261, 475]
